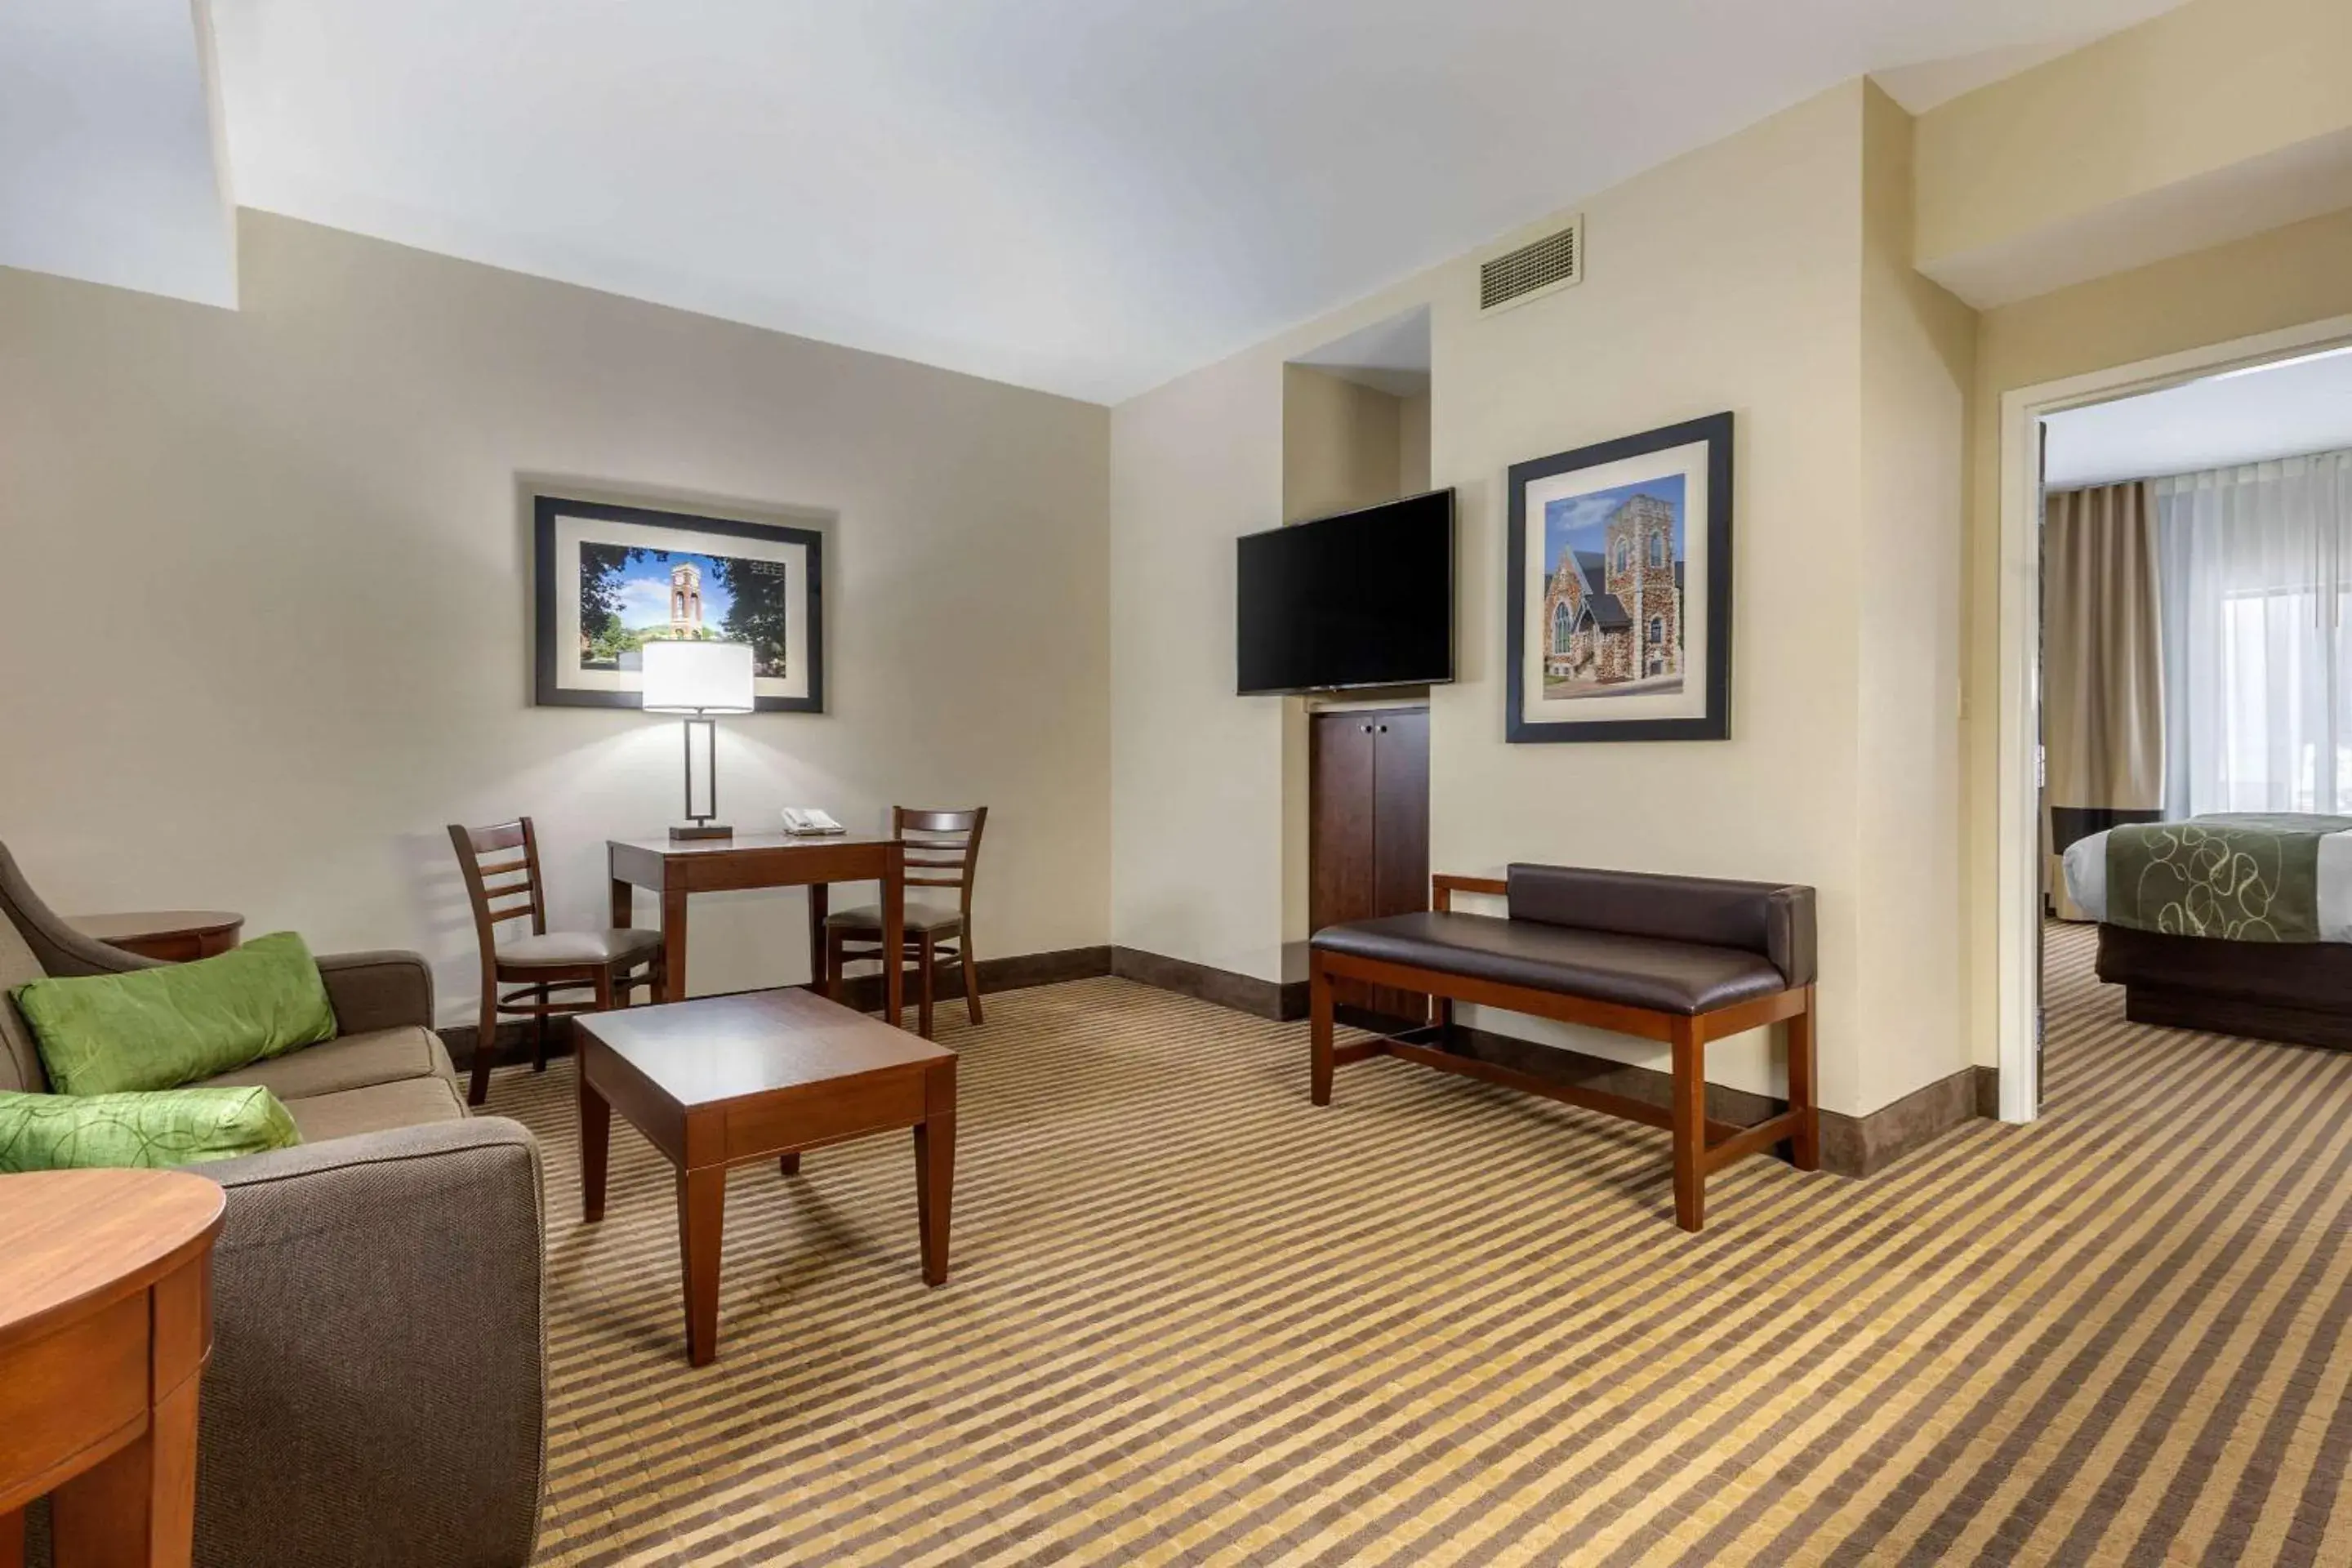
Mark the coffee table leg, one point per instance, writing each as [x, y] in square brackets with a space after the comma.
[934, 1191]
[140, 1505]
[12, 1540]
[595, 1144]
[702, 1216]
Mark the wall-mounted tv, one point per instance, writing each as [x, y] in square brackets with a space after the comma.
[1365, 598]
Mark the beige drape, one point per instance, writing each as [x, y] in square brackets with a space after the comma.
[2102, 669]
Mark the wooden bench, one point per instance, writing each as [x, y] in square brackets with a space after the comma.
[1685, 960]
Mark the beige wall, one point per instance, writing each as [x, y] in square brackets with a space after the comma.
[1918, 346]
[2211, 120]
[265, 610]
[2282, 279]
[1671, 324]
[1343, 444]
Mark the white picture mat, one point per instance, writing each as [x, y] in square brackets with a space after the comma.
[572, 531]
[1690, 703]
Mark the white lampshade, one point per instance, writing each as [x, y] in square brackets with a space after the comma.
[697, 677]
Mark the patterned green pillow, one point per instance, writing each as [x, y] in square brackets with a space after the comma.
[169, 1126]
[157, 1028]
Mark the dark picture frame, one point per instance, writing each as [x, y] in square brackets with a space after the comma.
[1714, 722]
[696, 537]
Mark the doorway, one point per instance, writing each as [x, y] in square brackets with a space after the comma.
[2027, 864]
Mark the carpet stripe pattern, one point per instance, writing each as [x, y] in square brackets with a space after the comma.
[1195, 1320]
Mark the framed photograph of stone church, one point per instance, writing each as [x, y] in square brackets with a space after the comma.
[1620, 589]
[610, 579]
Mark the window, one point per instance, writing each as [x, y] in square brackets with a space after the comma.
[1561, 627]
[2255, 582]
[1625, 558]
[1657, 551]
[1657, 631]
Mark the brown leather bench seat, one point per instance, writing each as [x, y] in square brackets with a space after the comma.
[1662, 975]
[1679, 960]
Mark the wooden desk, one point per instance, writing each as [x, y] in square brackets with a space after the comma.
[105, 1325]
[674, 870]
[175, 936]
[763, 1075]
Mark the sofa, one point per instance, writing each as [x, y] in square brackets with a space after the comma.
[376, 1393]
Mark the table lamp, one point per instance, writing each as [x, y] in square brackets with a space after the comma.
[699, 680]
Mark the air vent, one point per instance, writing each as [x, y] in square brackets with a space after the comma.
[1532, 270]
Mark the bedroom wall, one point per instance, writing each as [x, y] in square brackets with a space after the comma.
[2285, 277]
[265, 611]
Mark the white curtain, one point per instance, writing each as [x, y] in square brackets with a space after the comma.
[2256, 568]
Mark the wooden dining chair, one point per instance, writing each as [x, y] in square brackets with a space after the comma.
[942, 849]
[548, 969]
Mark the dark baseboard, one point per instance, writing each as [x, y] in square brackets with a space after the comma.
[863, 991]
[1988, 1092]
[1278, 1000]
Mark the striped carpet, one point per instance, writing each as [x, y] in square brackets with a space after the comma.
[1194, 1319]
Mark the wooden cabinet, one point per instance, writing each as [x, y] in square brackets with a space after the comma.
[1368, 830]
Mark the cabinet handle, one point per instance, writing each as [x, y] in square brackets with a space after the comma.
[1384, 729]
[1367, 729]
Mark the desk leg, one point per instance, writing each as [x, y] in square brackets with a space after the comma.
[820, 896]
[701, 1218]
[673, 929]
[894, 945]
[12, 1540]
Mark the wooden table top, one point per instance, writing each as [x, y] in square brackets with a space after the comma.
[748, 841]
[711, 1050]
[155, 923]
[71, 1241]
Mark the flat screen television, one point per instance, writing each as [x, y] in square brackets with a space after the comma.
[1365, 598]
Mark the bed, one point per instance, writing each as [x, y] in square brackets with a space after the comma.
[2237, 923]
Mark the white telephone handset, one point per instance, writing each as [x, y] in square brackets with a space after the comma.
[810, 821]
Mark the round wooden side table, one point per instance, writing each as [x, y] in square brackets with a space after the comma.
[105, 1324]
[175, 936]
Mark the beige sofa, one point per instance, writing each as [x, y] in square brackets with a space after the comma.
[377, 1388]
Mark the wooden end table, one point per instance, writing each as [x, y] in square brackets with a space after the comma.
[720, 1081]
[175, 936]
[105, 1325]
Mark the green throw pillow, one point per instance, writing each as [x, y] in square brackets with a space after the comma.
[172, 1127]
[157, 1028]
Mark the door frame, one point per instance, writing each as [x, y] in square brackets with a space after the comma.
[2017, 834]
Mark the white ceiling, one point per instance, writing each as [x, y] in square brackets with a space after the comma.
[1087, 196]
[108, 165]
[1083, 195]
[2245, 416]
[1391, 356]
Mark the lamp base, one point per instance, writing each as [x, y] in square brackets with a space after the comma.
[701, 830]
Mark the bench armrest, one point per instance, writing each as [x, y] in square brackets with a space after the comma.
[378, 1352]
[378, 990]
[1443, 886]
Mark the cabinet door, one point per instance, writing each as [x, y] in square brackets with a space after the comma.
[1342, 847]
[1401, 812]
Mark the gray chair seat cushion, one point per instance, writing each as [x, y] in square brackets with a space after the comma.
[1653, 973]
[345, 1062]
[939, 920]
[568, 947]
[411, 1102]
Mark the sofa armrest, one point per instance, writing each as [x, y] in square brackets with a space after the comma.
[378, 990]
[376, 1393]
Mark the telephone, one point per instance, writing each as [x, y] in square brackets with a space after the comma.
[809, 821]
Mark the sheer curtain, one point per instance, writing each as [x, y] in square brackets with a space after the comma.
[2255, 570]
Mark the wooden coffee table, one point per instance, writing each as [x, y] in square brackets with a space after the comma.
[720, 1081]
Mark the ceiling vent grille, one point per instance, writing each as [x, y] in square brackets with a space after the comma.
[1532, 270]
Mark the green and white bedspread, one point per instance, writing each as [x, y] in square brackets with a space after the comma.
[2236, 876]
